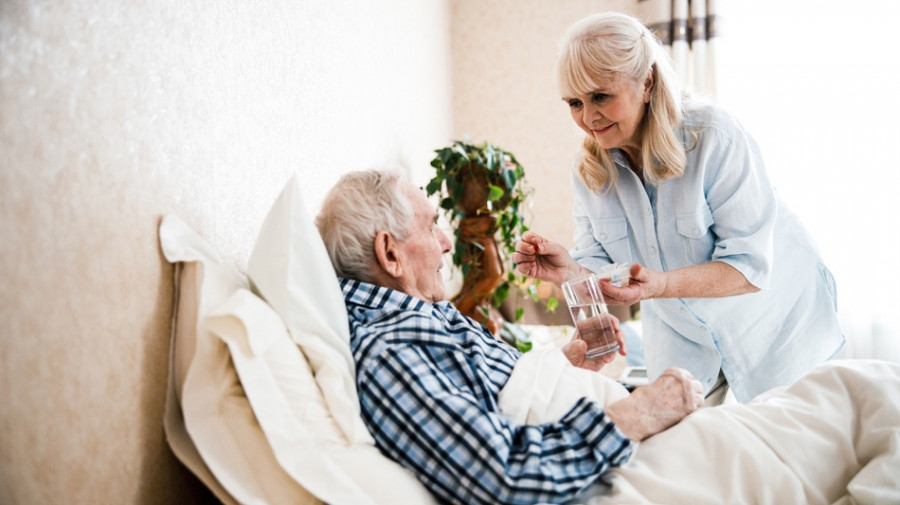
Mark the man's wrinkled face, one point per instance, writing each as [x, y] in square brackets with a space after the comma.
[423, 250]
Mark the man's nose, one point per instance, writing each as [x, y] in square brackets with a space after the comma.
[446, 245]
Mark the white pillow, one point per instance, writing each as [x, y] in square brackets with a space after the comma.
[544, 386]
[208, 420]
[290, 408]
[291, 270]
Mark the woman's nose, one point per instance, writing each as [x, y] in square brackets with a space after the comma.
[591, 115]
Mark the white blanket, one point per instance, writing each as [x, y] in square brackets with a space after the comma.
[831, 438]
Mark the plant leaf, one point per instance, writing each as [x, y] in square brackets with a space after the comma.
[496, 193]
[552, 303]
[508, 194]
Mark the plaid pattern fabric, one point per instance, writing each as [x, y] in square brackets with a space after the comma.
[428, 380]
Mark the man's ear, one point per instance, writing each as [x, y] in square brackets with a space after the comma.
[387, 254]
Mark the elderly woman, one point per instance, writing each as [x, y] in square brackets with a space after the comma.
[731, 286]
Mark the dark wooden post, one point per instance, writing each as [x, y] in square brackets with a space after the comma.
[485, 270]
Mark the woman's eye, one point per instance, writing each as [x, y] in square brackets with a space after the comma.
[599, 97]
[574, 104]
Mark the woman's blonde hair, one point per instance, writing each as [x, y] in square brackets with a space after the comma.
[609, 46]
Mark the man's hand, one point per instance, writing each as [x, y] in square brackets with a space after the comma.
[653, 408]
[576, 350]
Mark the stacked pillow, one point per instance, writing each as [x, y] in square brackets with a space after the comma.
[209, 422]
[264, 381]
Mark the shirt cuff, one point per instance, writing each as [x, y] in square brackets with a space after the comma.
[600, 432]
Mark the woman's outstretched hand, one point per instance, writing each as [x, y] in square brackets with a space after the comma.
[644, 284]
[542, 259]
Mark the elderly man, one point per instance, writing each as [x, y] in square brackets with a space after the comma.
[429, 377]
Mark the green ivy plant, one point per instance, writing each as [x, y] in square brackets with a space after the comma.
[508, 195]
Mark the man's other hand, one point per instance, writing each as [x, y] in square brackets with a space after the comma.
[652, 408]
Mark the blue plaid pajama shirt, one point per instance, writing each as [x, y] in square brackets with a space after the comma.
[428, 380]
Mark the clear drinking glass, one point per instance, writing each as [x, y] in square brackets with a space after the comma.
[590, 315]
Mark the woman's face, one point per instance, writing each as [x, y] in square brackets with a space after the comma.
[612, 114]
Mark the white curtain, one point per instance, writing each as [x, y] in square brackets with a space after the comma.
[689, 29]
[811, 80]
[824, 115]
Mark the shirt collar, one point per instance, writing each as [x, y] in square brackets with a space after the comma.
[618, 157]
[371, 296]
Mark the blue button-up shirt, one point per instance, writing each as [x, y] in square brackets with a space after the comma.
[428, 380]
[723, 208]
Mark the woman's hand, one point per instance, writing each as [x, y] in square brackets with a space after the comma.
[709, 280]
[542, 259]
[644, 284]
[576, 350]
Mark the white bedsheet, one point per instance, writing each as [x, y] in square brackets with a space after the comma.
[831, 438]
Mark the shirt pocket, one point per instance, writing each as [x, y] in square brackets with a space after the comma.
[696, 237]
[612, 234]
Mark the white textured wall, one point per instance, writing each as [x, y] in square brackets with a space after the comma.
[114, 113]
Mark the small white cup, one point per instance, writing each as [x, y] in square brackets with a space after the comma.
[590, 315]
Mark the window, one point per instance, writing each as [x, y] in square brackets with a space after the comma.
[818, 85]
